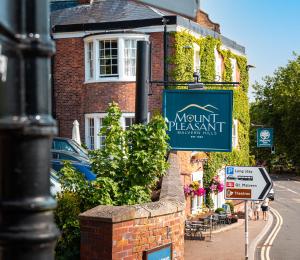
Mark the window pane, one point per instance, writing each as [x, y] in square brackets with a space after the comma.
[130, 56]
[90, 55]
[102, 137]
[67, 157]
[114, 44]
[108, 58]
[91, 133]
[114, 52]
[114, 69]
[107, 44]
[129, 121]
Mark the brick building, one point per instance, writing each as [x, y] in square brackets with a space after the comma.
[95, 59]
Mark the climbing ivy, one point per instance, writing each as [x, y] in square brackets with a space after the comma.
[182, 70]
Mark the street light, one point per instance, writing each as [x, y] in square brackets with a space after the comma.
[249, 66]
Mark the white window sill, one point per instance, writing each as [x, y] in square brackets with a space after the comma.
[106, 80]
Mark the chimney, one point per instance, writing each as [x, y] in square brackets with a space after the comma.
[203, 19]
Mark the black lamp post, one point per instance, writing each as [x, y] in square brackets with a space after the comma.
[27, 229]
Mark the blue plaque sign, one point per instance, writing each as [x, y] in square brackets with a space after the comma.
[264, 137]
[160, 253]
[199, 120]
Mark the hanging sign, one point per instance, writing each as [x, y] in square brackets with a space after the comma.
[199, 120]
[264, 137]
[159, 253]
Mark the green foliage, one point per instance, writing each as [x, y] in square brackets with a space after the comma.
[182, 61]
[207, 58]
[278, 105]
[78, 196]
[127, 169]
[239, 156]
[66, 218]
[134, 158]
[219, 210]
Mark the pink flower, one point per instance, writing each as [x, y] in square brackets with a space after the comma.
[201, 192]
[187, 190]
[220, 187]
[213, 187]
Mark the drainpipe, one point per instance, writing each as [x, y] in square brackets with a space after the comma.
[165, 21]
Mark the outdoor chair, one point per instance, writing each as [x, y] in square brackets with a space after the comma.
[222, 219]
[215, 221]
[193, 230]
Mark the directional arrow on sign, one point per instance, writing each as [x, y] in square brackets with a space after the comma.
[248, 183]
[268, 185]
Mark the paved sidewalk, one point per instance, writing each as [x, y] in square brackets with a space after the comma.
[226, 245]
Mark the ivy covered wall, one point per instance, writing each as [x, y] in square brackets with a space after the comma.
[182, 64]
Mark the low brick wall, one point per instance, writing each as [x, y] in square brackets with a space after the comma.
[125, 232]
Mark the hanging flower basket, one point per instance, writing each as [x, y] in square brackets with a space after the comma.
[215, 185]
[194, 189]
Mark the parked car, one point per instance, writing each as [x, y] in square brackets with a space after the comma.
[55, 186]
[271, 194]
[69, 145]
[80, 163]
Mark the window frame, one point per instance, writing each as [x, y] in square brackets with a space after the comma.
[218, 66]
[197, 59]
[197, 201]
[120, 38]
[233, 63]
[235, 134]
[97, 126]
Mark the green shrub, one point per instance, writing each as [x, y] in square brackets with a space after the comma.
[66, 218]
[219, 210]
[127, 169]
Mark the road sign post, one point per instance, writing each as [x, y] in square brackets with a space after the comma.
[247, 183]
[246, 230]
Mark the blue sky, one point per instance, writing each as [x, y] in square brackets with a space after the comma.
[269, 29]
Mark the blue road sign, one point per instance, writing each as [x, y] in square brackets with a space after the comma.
[160, 253]
[199, 120]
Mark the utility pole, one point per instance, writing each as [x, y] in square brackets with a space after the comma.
[27, 228]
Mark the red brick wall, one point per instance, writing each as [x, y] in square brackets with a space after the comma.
[68, 84]
[131, 238]
[157, 52]
[203, 19]
[73, 98]
[125, 232]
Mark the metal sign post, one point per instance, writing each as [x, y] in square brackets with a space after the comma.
[246, 230]
[27, 228]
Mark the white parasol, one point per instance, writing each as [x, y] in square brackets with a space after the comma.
[75, 132]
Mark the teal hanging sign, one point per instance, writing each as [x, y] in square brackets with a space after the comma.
[199, 120]
[264, 137]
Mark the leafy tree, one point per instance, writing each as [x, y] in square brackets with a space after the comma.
[278, 105]
[127, 168]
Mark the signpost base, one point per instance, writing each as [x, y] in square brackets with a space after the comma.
[246, 230]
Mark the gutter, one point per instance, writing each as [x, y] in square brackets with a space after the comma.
[113, 25]
[132, 24]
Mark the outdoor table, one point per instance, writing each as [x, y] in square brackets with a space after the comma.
[194, 229]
